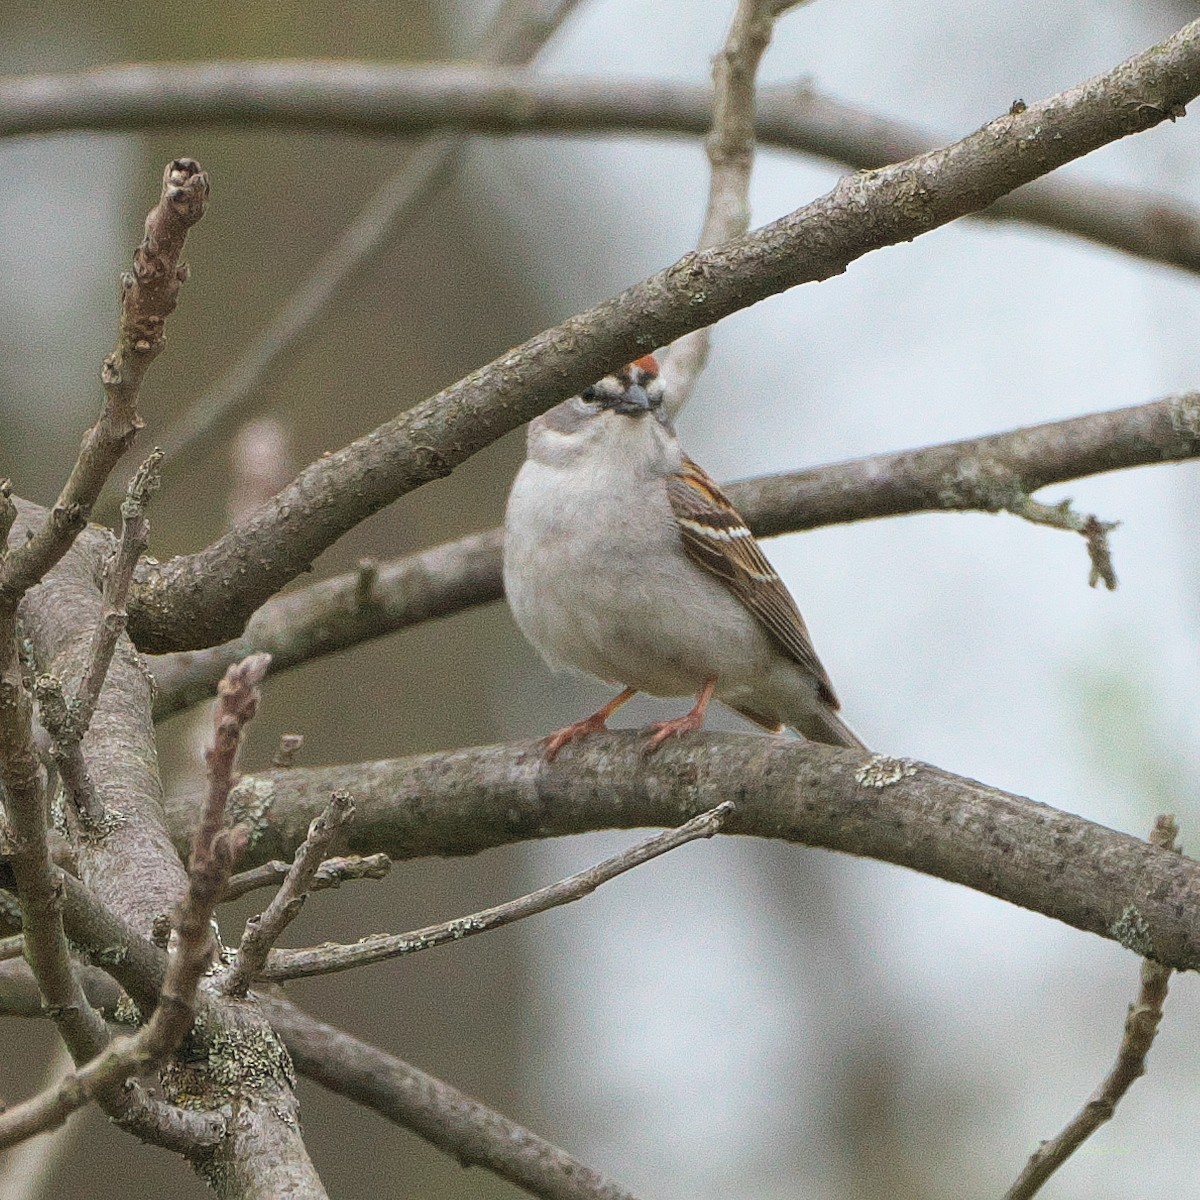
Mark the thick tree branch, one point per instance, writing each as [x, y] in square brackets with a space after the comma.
[985, 474]
[358, 97]
[894, 810]
[331, 957]
[205, 598]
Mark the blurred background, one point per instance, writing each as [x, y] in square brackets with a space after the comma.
[739, 1019]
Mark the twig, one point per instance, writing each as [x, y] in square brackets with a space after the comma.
[455, 1123]
[332, 873]
[238, 696]
[730, 147]
[205, 598]
[326, 959]
[148, 296]
[373, 98]
[335, 613]
[514, 37]
[264, 930]
[214, 851]
[1141, 1025]
[67, 723]
[1094, 531]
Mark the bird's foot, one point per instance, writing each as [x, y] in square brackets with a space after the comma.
[688, 723]
[596, 723]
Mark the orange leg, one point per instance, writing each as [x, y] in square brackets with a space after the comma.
[596, 723]
[685, 724]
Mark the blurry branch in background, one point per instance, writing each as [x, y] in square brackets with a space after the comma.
[730, 147]
[204, 598]
[455, 1123]
[515, 36]
[988, 474]
[892, 809]
[1141, 1025]
[374, 948]
[361, 97]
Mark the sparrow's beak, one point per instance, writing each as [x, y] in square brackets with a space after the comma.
[634, 401]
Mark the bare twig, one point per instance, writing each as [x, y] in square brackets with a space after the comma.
[982, 474]
[264, 930]
[68, 722]
[326, 959]
[514, 37]
[214, 851]
[205, 598]
[455, 1123]
[148, 296]
[363, 97]
[332, 873]
[237, 701]
[730, 147]
[1141, 1024]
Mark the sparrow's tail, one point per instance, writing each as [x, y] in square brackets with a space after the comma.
[817, 722]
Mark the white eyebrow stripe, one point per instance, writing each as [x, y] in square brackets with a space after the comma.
[718, 535]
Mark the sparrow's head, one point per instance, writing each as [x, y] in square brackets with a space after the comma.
[606, 422]
[633, 391]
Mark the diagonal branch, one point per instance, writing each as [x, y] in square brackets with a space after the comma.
[369, 98]
[148, 296]
[205, 598]
[455, 1123]
[1141, 1025]
[326, 959]
[981, 474]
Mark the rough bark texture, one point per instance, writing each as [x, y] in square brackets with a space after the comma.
[892, 809]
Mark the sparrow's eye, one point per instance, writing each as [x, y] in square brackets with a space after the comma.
[588, 394]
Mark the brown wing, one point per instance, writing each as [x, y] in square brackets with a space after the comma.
[717, 538]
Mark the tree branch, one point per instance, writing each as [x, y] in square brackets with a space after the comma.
[328, 958]
[890, 809]
[366, 98]
[205, 598]
[984, 474]
[148, 296]
[264, 930]
[1141, 1025]
[450, 1120]
[332, 873]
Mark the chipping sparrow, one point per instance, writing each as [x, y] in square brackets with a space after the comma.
[623, 558]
